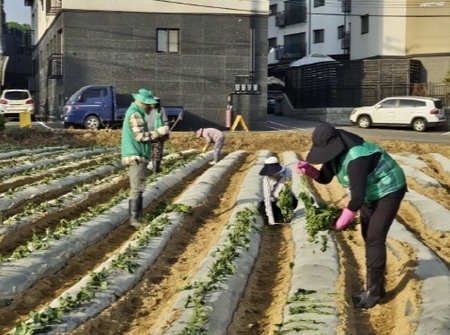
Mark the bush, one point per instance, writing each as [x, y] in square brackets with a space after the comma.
[2, 122]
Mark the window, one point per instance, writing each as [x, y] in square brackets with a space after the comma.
[406, 103]
[319, 36]
[93, 93]
[364, 24]
[340, 32]
[272, 10]
[388, 103]
[319, 3]
[168, 40]
[272, 43]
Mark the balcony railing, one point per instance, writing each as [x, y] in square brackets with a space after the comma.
[345, 41]
[55, 66]
[53, 7]
[297, 15]
[291, 51]
[29, 42]
[295, 50]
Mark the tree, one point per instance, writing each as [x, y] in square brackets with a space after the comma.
[447, 77]
[14, 25]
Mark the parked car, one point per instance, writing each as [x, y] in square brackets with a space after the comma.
[16, 101]
[96, 106]
[273, 97]
[416, 112]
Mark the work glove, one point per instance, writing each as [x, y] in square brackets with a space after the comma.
[204, 149]
[344, 219]
[162, 131]
[307, 169]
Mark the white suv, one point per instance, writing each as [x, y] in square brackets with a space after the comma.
[419, 113]
[16, 101]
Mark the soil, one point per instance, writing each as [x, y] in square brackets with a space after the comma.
[148, 306]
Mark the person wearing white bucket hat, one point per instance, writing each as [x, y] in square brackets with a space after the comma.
[276, 178]
[135, 149]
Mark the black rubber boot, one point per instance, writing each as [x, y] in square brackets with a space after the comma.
[156, 166]
[135, 210]
[371, 297]
[358, 298]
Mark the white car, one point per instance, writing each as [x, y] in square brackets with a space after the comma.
[419, 113]
[16, 101]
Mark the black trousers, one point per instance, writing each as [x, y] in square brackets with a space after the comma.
[376, 219]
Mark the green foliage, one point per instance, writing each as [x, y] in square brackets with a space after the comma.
[447, 77]
[319, 218]
[19, 134]
[236, 240]
[19, 26]
[2, 122]
[286, 201]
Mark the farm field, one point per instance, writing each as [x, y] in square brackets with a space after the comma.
[204, 260]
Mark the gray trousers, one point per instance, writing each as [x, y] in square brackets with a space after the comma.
[138, 175]
[218, 148]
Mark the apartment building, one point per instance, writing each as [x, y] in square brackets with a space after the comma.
[188, 52]
[355, 30]
[19, 66]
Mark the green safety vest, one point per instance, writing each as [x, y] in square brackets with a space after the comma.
[131, 147]
[386, 178]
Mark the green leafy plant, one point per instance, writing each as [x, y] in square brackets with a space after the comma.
[320, 217]
[286, 201]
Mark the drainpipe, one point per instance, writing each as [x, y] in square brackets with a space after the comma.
[309, 26]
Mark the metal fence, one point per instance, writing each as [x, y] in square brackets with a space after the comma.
[363, 95]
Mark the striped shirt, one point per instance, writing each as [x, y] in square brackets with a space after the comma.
[272, 189]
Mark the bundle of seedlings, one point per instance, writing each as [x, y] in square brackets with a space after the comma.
[286, 201]
[320, 217]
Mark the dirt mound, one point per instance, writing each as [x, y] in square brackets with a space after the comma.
[143, 309]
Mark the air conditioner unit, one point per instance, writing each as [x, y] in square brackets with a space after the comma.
[279, 54]
[280, 19]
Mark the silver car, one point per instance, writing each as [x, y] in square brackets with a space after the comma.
[418, 113]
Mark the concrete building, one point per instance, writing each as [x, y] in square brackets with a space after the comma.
[19, 66]
[3, 57]
[189, 53]
[354, 30]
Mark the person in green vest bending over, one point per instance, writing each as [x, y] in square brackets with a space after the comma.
[136, 147]
[377, 185]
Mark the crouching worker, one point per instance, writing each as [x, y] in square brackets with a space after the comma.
[279, 201]
[212, 135]
[135, 149]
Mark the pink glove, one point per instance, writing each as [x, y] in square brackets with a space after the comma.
[307, 169]
[344, 220]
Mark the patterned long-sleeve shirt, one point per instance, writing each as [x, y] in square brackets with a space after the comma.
[136, 123]
[272, 189]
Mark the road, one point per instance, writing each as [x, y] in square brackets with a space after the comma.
[285, 123]
[276, 123]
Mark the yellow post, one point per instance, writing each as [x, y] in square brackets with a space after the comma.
[25, 119]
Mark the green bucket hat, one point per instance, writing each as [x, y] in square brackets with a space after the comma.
[145, 96]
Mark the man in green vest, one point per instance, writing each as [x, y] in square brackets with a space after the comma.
[135, 149]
